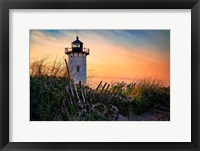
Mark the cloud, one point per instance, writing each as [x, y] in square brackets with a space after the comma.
[114, 53]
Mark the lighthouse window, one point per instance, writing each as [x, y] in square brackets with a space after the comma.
[77, 45]
[77, 69]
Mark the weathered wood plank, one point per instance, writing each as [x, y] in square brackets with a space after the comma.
[103, 88]
[107, 88]
[79, 101]
[99, 85]
[67, 69]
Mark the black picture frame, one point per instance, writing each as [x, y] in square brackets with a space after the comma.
[5, 5]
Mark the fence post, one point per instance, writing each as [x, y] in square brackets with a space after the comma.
[67, 69]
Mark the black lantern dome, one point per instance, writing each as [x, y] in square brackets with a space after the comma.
[77, 45]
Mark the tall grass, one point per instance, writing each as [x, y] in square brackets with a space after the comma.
[42, 67]
[55, 97]
[143, 95]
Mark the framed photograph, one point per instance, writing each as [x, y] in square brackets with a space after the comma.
[99, 75]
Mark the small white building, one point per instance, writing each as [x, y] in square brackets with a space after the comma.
[77, 61]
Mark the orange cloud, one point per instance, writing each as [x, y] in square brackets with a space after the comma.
[108, 62]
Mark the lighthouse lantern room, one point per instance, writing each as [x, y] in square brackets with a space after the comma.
[77, 61]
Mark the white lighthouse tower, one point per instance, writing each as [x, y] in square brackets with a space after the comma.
[77, 61]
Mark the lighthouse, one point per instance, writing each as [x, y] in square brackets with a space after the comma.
[77, 61]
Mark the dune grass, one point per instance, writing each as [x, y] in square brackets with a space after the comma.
[42, 67]
[55, 97]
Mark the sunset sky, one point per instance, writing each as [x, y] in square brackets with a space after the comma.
[115, 55]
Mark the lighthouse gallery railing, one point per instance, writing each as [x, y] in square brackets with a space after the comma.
[70, 50]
